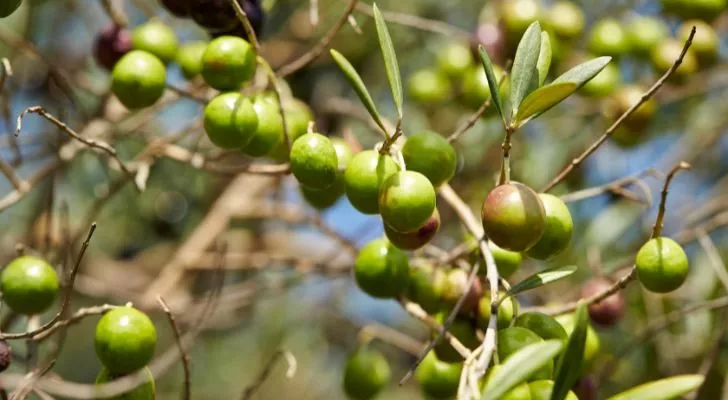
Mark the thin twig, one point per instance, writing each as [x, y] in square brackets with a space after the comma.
[646, 96]
[319, 48]
[250, 390]
[657, 228]
[469, 123]
[390, 336]
[607, 187]
[249, 31]
[66, 296]
[97, 144]
[414, 21]
[183, 354]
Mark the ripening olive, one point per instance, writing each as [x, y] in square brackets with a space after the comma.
[608, 311]
[415, 239]
[406, 201]
[513, 217]
[662, 265]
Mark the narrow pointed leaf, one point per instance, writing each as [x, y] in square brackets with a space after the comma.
[569, 366]
[543, 98]
[492, 82]
[583, 73]
[390, 59]
[544, 58]
[524, 76]
[355, 81]
[541, 278]
[519, 367]
[664, 389]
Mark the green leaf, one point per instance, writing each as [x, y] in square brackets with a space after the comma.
[544, 58]
[519, 367]
[355, 81]
[524, 76]
[583, 73]
[493, 83]
[541, 278]
[569, 366]
[664, 389]
[390, 59]
[543, 99]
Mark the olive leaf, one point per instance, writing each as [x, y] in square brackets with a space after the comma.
[583, 73]
[544, 58]
[524, 76]
[542, 99]
[519, 367]
[568, 369]
[390, 59]
[541, 278]
[355, 81]
[664, 389]
[492, 82]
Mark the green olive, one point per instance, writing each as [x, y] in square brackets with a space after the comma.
[366, 373]
[430, 154]
[406, 201]
[438, 379]
[138, 79]
[559, 228]
[313, 161]
[512, 339]
[230, 120]
[189, 58]
[228, 62]
[364, 178]
[125, 340]
[662, 265]
[381, 270]
[156, 38]
[426, 284]
[29, 285]
[146, 391]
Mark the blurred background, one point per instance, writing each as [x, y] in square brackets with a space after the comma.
[287, 284]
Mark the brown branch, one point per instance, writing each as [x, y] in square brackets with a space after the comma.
[96, 144]
[607, 187]
[469, 123]
[16, 195]
[657, 228]
[390, 336]
[247, 26]
[66, 296]
[267, 369]
[576, 162]
[418, 312]
[319, 48]
[183, 354]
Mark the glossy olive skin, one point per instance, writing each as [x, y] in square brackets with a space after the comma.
[541, 390]
[662, 265]
[269, 132]
[645, 33]
[513, 217]
[110, 45]
[138, 79]
[429, 86]
[455, 286]
[298, 116]
[323, 199]
[430, 154]
[566, 20]
[230, 120]
[559, 228]
[417, 238]
[608, 38]
[605, 83]
[125, 340]
[227, 63]
[543, 325]
[146, 391]
[426, 284]
[381, 270]
[608, 311]
[406, 201]
[189, 58]
[438, 379]
[29, 285]
[366, 373]
[664, 55]
[214, 15]
[512, 339]
[507, 310]
[156, 38]
[8, 7]
[365, 176]
[313, 161]
[462, 329]
[706, 42]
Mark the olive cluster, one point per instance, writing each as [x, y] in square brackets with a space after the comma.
[125, 338]
[218, 16]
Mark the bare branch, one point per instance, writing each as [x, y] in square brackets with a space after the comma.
[250, 390]
[183, 353]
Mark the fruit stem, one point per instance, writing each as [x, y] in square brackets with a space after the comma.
[243, 17]
[505, 174]
[657, 228]
[387, 145]
[279, 97]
